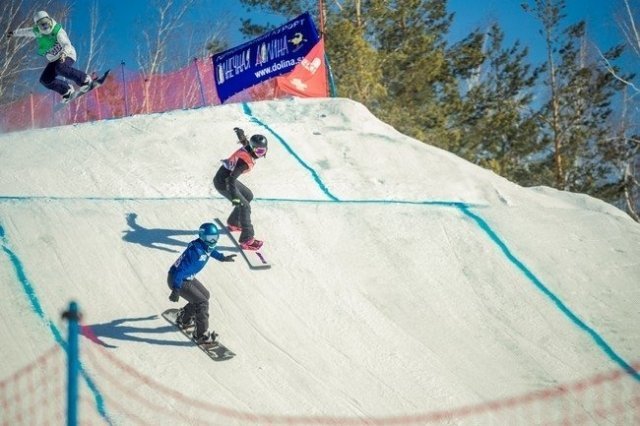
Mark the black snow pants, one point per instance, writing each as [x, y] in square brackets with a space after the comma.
[240, 215]
[65, 69]
[197, 297]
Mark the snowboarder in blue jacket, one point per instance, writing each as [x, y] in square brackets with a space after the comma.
[183, 283]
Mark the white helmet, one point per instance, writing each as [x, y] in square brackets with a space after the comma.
[43, 21]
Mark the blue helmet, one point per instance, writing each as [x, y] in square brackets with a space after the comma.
[209, 234]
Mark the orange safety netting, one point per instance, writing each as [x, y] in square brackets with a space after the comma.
[126, 93]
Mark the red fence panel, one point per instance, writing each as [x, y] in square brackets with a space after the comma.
[125, 93]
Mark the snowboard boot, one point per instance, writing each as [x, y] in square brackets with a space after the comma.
[208, 338]
[67, 96]
[183, 322]
[234, 228]
[251, 244]
[88, 82]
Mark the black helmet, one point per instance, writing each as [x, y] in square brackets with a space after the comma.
[258, 145]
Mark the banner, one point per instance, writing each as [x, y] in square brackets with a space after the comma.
[272, 54]
[309, 78]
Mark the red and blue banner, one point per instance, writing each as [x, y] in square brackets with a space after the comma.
[270, 55]
[309, 78]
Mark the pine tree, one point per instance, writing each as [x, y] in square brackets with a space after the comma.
[420, 72]
[393, 56]
[499, 128]
[356, 63]
[475, 97]
[577, 117]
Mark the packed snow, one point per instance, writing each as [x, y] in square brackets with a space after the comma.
[405, 280]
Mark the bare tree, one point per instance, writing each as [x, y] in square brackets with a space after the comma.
[18, 61]
[550, 13]
[12, 55]
[630, 130]
[152, 56]
[629, 28]
[95, 40]
[631, 37]
[92, 46]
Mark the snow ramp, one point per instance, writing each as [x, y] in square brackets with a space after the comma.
[408, 286]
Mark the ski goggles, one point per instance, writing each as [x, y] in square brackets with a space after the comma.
[44, 24]
[210, 240]
[260, 152]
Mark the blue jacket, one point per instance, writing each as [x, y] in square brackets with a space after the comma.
[191, 262]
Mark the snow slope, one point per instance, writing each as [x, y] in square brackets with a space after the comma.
[405, 280]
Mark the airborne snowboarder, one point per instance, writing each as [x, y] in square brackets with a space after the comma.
[55, 46]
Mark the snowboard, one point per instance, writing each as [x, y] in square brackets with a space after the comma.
[256, 259]
[77, 94]
[216, 350]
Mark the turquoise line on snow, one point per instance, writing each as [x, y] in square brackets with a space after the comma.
[440, 203]
[314, 174]
[257, 199]
[463, 207]
[599, 340]
[494, 237]
[37, 309]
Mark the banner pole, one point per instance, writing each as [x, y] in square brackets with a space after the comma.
[321, 13]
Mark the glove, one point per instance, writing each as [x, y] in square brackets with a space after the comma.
[63, 57]
[229, 258]
[10, 34]
[175, 295]
[236, 202]
[240, 133]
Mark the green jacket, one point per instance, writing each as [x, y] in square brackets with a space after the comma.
[47, 42]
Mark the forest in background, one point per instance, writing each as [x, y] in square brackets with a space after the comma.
[571, 122]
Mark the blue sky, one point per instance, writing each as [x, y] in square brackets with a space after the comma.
[519, 25]
[123, 17]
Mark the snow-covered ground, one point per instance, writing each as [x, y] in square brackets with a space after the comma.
[405, 280]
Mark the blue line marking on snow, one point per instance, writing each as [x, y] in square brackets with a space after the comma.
[314, 174]
[37, 308]
[606, 348]
[439, 203]
[463, 207]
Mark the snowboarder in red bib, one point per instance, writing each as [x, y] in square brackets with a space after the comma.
[227, 184]
[55, 46]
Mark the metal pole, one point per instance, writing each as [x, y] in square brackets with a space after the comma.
[321, 12]
[124, 85]
[195, 63]
[73, 316]
[33, 123]
[53, 108]
[332, 84]
[98, 105]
